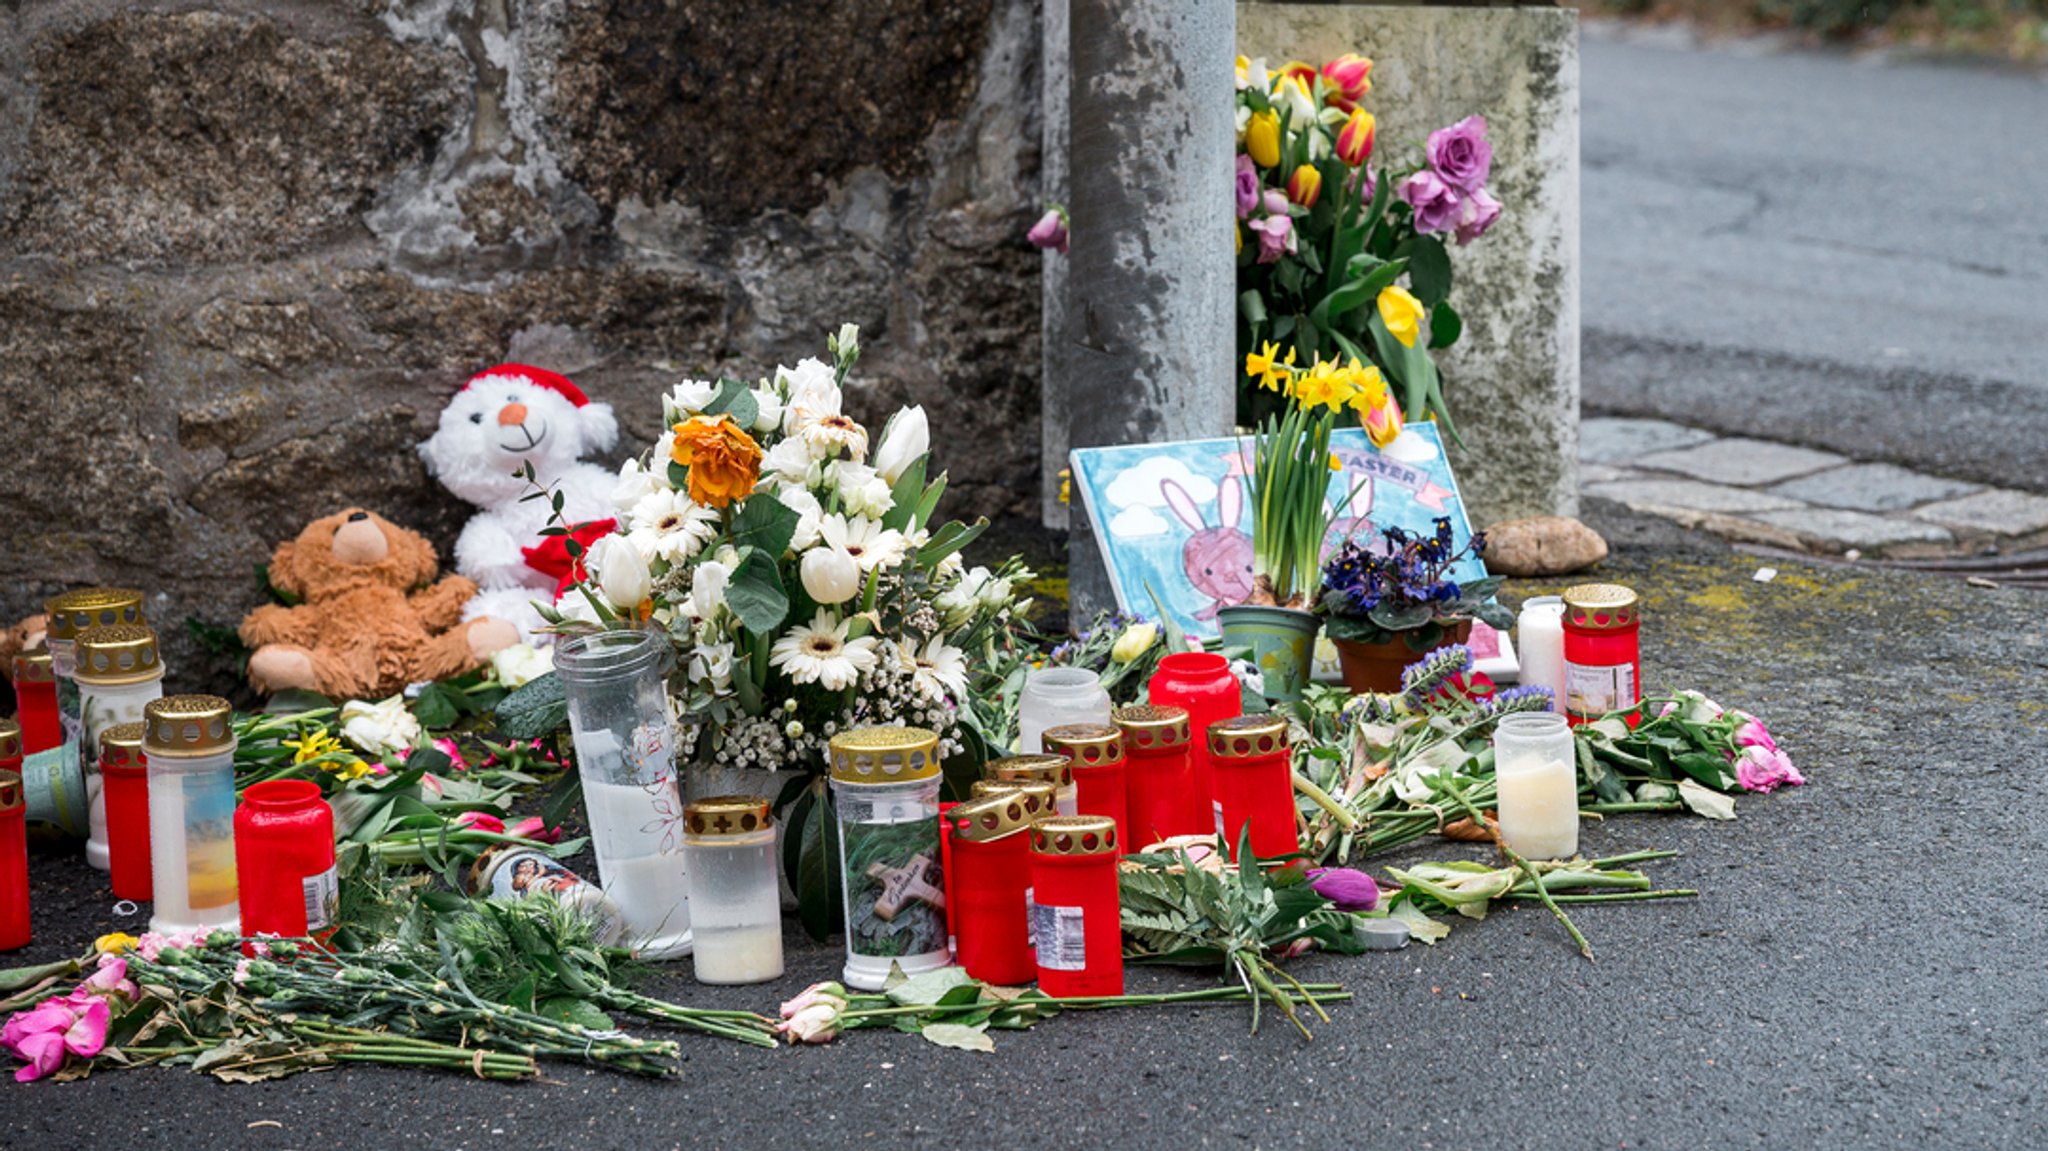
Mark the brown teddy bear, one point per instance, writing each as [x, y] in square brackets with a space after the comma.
[362, 630]
[20, 638]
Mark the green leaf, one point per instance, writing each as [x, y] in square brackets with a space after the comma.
[1252, 306]
[1445, 325]
[959, 1036]
[678, 476]
[1401, 617]
[1710, 769]
[756, 594]
[929, 987]
[817, 874]
[1429, 270]
[537, 710]
[904, 495]
[436, 707]
[1358, 292]
[563, 799]
[580, 1012]
[765, 523]
[735, 399]
[949, 539]
[1706, 801]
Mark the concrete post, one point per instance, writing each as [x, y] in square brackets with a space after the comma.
[1152, 275]
[1053, 378]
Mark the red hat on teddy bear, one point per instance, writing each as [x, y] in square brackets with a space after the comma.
[538, 377]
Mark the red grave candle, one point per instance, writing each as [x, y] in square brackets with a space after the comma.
[1201, 682]
[1076, 915]
[284, 854]
[1255, 783]
[35, 693]
[1159, 772]
[1097, 751]
[124, 775]
[991, 869]
[10, 746]
[14, 923]
[1603, 669]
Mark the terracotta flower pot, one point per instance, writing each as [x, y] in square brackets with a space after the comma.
[1282, 642]
[1377, 667]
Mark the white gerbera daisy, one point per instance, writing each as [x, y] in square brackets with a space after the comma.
[669, 526]
[939, 671]
[869, 543]
[820, 653]
[827, 434]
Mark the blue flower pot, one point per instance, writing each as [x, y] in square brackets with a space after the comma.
[1281, 640]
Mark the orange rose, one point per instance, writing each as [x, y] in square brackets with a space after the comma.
[724, 461]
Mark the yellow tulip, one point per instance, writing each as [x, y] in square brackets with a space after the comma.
[1401, 312]
[1136, 641]
[1262, 139]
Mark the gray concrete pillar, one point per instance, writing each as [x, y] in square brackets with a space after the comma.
[1053, 337]
[1152, 275]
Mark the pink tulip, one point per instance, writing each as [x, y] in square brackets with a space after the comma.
[447, 746]
[532, 827]
[481, 821]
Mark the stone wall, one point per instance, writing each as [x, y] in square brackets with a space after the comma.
[248, 249]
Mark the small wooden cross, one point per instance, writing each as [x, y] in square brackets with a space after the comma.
[921, 878]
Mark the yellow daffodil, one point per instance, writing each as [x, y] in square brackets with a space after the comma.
[115, 943]
[324, 751]
[1322, 386]
[1262, 139]
[1401, 312]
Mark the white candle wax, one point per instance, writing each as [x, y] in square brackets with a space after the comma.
[1539, 633]
[637, 835]
[1539, 806]
[751, 953]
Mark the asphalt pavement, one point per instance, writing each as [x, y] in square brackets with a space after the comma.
[1838, 251]
[1862, 968]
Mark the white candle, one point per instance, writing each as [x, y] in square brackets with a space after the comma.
[1539, 633]
[1538, 785]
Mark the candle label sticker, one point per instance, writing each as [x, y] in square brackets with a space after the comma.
[523, 873]
[322, 894]
[1593, 690]
[210, 840]
[1060, 935]
[1031, 917]
[895, 889]
[53, 790]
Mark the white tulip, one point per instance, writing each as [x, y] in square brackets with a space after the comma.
[768, 402]
[862, 492]
[620, 571]
[707, 588]
[908, 436]
[808, 512]
[830, 575]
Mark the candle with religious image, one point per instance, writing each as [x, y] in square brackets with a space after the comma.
[190, 748]
[885, 792]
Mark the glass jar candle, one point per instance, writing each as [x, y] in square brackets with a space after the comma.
[1057, 696]
[1535, 768]
[53, 791]
[124, 775]
[507, 872]
[1200, 682]
[1097, 752]
[1076, 913]
[735, 898]
[1539, 632]
[885, 795]
[118, 673]
[1603, 668]
[14, 920]
[190, 748]
[1056, 770]
[625, 753]
[991, 869]
[1255, 784]
[284, 854]
[1159, 772]
[67, 617]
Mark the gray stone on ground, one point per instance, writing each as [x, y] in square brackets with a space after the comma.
[1837, 530]
[1617, 441]
[1872, 488]
[1652, 492]
[1999, 511]
[1742, 461]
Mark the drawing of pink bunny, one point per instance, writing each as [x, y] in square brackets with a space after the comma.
[1218, 560]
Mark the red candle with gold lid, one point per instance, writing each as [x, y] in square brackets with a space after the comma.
[1159, 773]
[1255, 783]
[14, 921]
[991, 870]
[1603, 668]
[1076, 912]
[1097, 752]
[125, 784]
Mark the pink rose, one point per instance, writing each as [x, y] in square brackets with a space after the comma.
[1765, 769]
[42, 1037]
[1476, 215]
[1436, 204]
[1752, 733]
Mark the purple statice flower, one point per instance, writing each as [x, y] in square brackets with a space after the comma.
[1461, 155]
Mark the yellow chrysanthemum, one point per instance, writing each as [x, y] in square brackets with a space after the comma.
[115, 943]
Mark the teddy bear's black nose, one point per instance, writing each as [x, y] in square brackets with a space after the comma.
[358, 517]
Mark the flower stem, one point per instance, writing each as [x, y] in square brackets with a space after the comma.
[1549, 900]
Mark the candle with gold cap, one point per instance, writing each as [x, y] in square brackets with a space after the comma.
[53, 791]
[1097, 752]
[118, 674]
[124, 778]
[69, 615]
[885, 791]
[1038, 795]
[1254, 781]
[991, 869]
[14, 919]
[735, 904]
[190, 746]
[1076, 912]
[1159, 772]
[1057, 770]
[1603, 668]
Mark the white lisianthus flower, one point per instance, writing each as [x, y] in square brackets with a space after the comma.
[939, 671]
[906, 437]
[813, 390]
[820, 653]
[688, 399]
[521, 664]
[620, 572]
[381, 728]
[711, 665]
[869, 543]
[707, 588]
[808, 513]
[952, 565]
[830, 575]
[862, 491]
[768, 403]
[791, 462]
[996, 593]
[670, 526]
[635, 483]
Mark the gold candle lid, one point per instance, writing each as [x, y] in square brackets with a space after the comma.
[121, 746]
[885, 755]
[33, 666]
[1074, 835]
[1149, 728]
[1600, 606]
[10, 791]
[121, 653]
[1087, 744]
[1040, 798]
[187, 726]
[727, 815]
[1247, 736]
[1057, 770]
[10, 740]
[74, 611]
[991, 817]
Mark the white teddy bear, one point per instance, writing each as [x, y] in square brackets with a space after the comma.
[503, 419]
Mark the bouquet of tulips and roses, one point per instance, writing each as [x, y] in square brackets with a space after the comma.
[1325, 239]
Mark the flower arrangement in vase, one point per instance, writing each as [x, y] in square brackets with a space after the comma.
[1386, 603]
[1325, 239]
